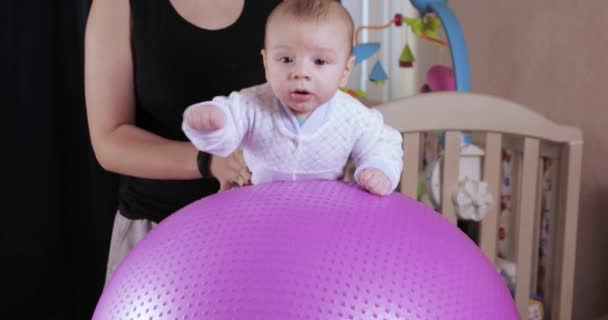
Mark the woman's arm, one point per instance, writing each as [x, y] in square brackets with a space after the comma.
[118, 144]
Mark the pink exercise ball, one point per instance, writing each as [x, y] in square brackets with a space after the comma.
[305, 250]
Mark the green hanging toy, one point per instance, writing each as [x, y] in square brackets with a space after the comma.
[406, 59]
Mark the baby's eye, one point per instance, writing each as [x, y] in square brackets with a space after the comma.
[286, 59]
[320, 62]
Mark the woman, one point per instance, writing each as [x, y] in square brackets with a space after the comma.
[145, 62]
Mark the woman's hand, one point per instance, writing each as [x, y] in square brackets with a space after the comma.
[231, 171]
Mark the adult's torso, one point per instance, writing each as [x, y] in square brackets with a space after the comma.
[177, 63]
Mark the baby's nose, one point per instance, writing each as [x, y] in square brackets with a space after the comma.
[300, 72]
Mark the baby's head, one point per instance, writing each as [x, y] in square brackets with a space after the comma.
[307, 52]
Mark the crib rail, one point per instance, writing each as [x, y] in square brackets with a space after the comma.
[501, 123]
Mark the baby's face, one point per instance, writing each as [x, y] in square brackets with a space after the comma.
[306, 61]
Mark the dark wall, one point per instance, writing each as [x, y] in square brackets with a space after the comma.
[60, 203]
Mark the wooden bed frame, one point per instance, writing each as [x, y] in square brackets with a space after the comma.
[500, 123]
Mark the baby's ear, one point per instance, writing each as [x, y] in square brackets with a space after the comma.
[264, 57]
[350, 62]
[263, 53]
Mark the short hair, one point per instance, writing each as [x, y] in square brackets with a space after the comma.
[315, 9]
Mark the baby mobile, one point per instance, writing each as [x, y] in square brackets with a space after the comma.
[433, 13]
[438, 77]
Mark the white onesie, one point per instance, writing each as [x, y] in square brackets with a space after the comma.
[276, 148]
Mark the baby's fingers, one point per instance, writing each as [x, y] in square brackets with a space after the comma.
[365, 176]
[205, 118]
[379, 184]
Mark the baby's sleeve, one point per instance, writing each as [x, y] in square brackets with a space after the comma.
[378, 146]
[226, 140]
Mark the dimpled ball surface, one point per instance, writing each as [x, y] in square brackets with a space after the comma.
[305, 250]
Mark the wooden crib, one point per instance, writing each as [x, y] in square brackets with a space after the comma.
[497, 124]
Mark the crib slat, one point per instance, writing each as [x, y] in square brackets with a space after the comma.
[537, 225]
[516, 176]
[411, 164]
[491, 175]
[525, 224]
[567, 228]
[552, 261]
[449, 179]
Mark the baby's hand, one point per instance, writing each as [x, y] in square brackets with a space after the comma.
[375, 181]
[205, 118]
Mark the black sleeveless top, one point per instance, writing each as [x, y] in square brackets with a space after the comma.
[175, 65]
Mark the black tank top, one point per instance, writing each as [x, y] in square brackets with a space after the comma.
[175, 65]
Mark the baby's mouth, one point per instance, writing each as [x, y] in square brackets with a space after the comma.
[300, 95]
[300, 92]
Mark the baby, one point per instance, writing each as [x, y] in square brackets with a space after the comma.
[299, 125]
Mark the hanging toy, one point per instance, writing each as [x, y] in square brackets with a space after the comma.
[356, 93]
[378, 75]
[406, 59]
[439, 78]
[426, 28]
[364, 51]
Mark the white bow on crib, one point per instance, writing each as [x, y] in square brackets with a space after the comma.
[472, 199]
